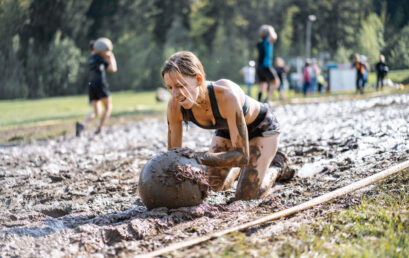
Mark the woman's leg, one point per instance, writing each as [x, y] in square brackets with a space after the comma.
[274, 84]
[257, 178]
[262, 89]
[94, 114]
[107, 102]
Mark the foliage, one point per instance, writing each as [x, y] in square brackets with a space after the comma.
[37, 33]
[370, 40]
[399, 54]
[13, 17]
[343, 55]
[55, 70]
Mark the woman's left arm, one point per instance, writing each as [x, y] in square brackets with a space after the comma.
[239, 156]
[110, 58]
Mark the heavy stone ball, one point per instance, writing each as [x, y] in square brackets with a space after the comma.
[103, 45]
[172, 179]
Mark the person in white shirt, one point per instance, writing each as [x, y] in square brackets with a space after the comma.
[249, 74]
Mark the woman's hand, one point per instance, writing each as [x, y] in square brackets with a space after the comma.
[110, 58]
[191, 154]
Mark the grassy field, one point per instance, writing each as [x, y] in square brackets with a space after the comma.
[398, 76]
[26, 120]
[20, 113]
[23, 113]
[377, 227]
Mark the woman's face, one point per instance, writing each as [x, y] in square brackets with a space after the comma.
[184, 89]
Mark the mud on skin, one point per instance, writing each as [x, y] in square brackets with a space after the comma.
[79, 196]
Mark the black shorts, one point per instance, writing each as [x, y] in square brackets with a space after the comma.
[97, 91]
[266, 74]
[264, 125]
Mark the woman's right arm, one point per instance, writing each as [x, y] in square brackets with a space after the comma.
[175, 127]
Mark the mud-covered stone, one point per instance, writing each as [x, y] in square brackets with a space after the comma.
[172, 179]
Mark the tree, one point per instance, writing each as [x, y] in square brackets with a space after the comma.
[398, 57]
[370, 40]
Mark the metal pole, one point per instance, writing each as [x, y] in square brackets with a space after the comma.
[308, 40]
[310, 19]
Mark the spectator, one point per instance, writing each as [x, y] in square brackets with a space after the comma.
[381, 71]
[364, 61]
[249, 73]
[360, 72]
[307, 78]
[282, 75]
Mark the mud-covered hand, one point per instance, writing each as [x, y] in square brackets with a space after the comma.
[189, 153]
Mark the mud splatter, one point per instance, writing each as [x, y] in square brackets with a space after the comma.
[173, 179]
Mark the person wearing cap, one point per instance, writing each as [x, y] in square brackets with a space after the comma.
[249, 73]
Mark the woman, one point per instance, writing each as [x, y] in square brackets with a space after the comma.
[98, 88]
[247, 132]
[267, 75]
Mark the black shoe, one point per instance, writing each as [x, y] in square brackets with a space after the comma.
[285, 172]
[78, 128]
[98, 131]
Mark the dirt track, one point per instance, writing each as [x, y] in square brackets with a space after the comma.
[78, 196]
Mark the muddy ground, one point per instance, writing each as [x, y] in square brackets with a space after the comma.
[78, 196]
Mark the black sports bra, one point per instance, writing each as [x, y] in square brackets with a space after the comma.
[221, 123]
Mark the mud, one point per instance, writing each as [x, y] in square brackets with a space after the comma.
[173, 180]
[79, 196]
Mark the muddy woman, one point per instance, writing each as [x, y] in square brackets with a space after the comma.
[247, 132]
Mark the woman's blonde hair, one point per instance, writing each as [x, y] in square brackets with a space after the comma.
[185, 63]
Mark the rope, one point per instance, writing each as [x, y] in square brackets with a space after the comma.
[280, 214]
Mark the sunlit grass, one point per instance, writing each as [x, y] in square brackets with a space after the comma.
[30, 112]
[377, 227]
[23, 113]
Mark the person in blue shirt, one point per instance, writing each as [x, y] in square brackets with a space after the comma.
[267, 75]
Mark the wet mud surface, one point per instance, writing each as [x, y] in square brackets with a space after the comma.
[79, 196]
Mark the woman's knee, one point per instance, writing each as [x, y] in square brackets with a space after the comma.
[248, 185]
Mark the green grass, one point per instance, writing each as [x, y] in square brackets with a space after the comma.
[15, 113]
[397, 76]
[377, 227]
[56, 110]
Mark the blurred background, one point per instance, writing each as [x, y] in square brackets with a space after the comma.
[44, 43]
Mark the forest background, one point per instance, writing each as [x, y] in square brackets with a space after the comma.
[44, 43]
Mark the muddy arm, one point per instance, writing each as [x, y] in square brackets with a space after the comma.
[175, 127]
[234, 158]
[239, 156]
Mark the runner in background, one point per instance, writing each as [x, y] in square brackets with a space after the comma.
[102, 58]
